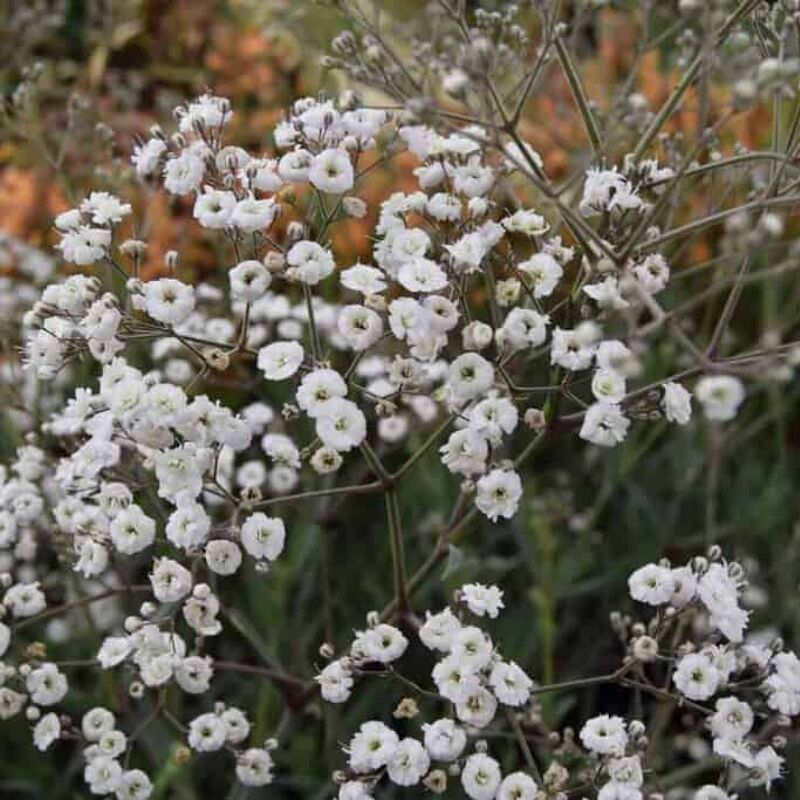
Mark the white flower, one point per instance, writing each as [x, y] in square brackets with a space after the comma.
[652, 273]
[604, 735]
[184, 174]
[251, 215]
[309, 262]
[652, 584]
[105, 208]
[207, 733]
[498, 494]
[455, 680]
[408, 763]
[677, 403]
[11, 702]
[572, 349]
[719, 592]
[469, 251]
[363, 123]
[25, 599]
[470, 375]
[113, 651]
[510, 684]
[465, 452]
[526, 221]
[5, 638]
[237, 728]
[254, 767]
[188, 526]
[335, 682]
[733, 719]
[170, 580]
[738, 751]
[134, 785]
[604, 424]
[249, 280]
[223, 557]
[111, 744]
[332, 171]
[85, 245]
[46, 685]
[471, 647]
[783, 686]
[213, 208]
[473, 179]
[317, 387]
[696, 677]
[626, 770]
[207, 111]
[608, 190]
[353, 790]
[295, 165]
[476, 335]
[437, 631]
[482, 600]
[614, 790]
[264, 174]
[382, 643]
[517, 786]
[341, 425]
[444, 207]
[524, 327]
[520, 155]
[421, 275]
[544, 273]
[711, 792]
[102, 774]
[359, 326]
[444, 739]
[606, 294]
[363, 278]
[180, 471]
[280, 360]
[608, 386]
[168, 300]
[720, 396]
[767, 767]
[46, 731]
[263, 537]
[193, 674]
[685, 586]
[132, 530]
[281, 449]
[68, 220]
[407, 318]
[614, 355]
[101, 321]
[372, 747]
[480, 777]
[147, 156]
[325, 461]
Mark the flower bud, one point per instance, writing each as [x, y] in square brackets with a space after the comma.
[171, 260]
[326, 650]
[354, 207]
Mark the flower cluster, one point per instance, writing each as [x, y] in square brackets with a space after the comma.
[768, 676]
[190, 419]
[756, 689]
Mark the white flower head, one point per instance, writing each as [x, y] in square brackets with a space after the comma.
[720, 396]
[280, 360]
[332, 171]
